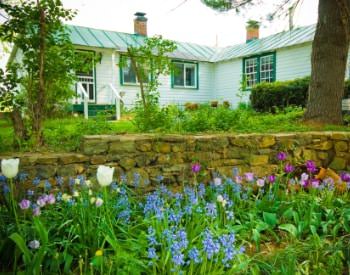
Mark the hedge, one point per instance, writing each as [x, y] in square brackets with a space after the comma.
[266, 97]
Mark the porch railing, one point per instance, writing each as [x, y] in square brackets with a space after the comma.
[83, 93]
[117, 98]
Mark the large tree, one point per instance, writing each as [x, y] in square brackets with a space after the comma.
[329, 55]
[44, 69]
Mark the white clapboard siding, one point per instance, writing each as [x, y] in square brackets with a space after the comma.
[293, 62]
[228, 75]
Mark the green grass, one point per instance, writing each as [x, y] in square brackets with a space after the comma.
[65, 134]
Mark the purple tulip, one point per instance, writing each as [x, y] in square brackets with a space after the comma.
[36, 211]
[288, 168]
[24, 204]
[282, 156]
[311, 166]
[249, 176]
[315, 183]
[260, 182]
[51, 199]
[196, 167]
[345, 177]
[271, 178]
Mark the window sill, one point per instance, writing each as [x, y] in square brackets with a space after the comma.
[184, 88]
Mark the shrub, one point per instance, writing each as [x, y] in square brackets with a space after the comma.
[266, 97]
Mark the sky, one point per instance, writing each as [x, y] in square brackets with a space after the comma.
[187, 21]
[183, 20]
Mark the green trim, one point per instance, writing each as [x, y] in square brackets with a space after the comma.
[173, 75]
[258, 57]
[93, 73]
[121, 78]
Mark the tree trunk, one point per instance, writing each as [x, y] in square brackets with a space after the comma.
[40, 103]
[329, 58]
[20, 131]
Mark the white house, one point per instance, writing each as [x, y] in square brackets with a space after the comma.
[205, 73]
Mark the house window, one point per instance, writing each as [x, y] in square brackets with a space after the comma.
[87, 77]
[259, 69]
[185, 75]
[127, 72]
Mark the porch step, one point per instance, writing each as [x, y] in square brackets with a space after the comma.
[94, 109]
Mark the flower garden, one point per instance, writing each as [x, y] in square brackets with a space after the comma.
[296, 221]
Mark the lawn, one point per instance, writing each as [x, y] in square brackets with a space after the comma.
[64, 134]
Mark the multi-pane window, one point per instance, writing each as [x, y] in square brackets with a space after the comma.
[185, 75]
[266, 68]
[259, 69]
[87, 76]
[251, 71]
[128, 73]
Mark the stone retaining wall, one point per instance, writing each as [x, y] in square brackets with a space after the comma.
[171, 155]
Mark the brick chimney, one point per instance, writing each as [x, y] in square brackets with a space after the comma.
[252, 30]
[140, 23]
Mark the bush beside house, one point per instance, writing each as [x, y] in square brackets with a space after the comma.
[266, 97]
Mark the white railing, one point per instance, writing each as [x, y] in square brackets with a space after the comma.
[82, 92]
[117, 101]
[346, 104]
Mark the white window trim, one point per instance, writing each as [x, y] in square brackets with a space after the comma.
[192, 65]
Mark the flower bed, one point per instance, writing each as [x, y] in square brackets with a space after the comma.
[295, 221]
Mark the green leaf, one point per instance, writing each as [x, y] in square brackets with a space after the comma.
[43, 234]
[270, 218]
[68, 259]
[22, 246]
[289, 228]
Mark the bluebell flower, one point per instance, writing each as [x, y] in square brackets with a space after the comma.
[227, 243]
[59, 180]
[201, 190]
[124, 215]
[211, 210]
[188, 209]
[36, 181]
[22, 176]
[175, 217]
[235, 171]
[114, 186]
[152, 254]
[123, 178]
[159, 178]
[210, 245]
[2, 178]
[154, 206]
[137, 179]
[229, 215]
[59, 196]
[151, 236]
[30, 192]
[194, 256]
[71, 181]
[47, 185]
[177, 258]
[244, 196]
[5, 189]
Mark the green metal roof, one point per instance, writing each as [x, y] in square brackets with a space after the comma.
[90, 37]
[273, 42]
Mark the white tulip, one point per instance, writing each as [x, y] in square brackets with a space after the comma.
[105, 175]
[9, 167]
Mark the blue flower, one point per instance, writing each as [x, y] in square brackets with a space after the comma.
[59, 180]
[30, 193]
[151, 236]
[159, 178]
[211, 210]
[201, 190]
[2, 178]
[227, 243]
[124, 215]
[47, 185]
[137, 179]
[6, 189]
[177, 257]
[36, 181]
[22, 176]
[175, 217]
[229, 215]
[152, 254]
[194, 256]
[210, 245]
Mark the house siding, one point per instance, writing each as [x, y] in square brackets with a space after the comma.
[168, 95]
[293, 62]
